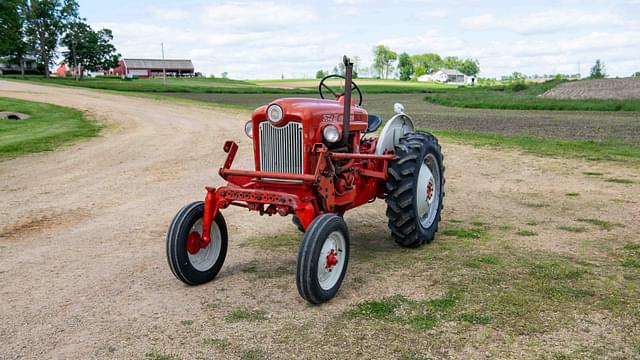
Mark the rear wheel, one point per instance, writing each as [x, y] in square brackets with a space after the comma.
[322, 259]
[415, 189]
[189, 262]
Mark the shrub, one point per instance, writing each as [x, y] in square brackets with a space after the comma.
[519, 86]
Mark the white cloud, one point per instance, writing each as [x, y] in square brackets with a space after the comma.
[170, 14]
[429, 42]
[257, 15]
[543, 22]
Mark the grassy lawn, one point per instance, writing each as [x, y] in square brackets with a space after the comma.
[522, 97]
[546, 147]
[155, 85]
[218, 85]
[49, 127]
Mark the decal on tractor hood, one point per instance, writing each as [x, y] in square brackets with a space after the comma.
[335, 117]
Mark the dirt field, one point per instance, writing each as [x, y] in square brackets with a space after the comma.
[536, 258]
[621, 89]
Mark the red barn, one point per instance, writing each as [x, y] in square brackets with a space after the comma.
[145, 68]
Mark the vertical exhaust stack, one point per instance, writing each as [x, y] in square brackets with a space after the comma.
[348, 67]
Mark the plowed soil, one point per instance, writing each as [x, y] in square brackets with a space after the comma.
[620, 89]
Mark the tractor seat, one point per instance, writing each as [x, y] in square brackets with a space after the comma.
[373, 123]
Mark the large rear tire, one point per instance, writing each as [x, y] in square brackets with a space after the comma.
[415, 189]
[188, 262]
[323, 259]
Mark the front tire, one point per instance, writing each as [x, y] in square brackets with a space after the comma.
[415, 189]
[322, 259]
[190, 263]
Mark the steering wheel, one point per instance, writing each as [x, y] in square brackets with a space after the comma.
[336, 94]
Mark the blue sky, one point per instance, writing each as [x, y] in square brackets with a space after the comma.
[264, 39]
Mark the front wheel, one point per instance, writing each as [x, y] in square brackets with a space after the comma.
[322, 259]
[189, 262]
[415, 189]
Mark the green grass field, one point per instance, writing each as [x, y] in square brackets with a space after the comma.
[155, 85]
[589, 150]
[522, 97]
[217, 85]
[49, 127]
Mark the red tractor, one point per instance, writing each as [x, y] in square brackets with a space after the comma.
[314, 160]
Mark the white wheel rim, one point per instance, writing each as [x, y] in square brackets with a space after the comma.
[428, 191]
[328, 271]
[204, 259]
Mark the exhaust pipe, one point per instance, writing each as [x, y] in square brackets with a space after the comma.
[348, 66]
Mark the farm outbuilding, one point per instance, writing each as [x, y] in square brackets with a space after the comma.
[145, 68]
[447, 76]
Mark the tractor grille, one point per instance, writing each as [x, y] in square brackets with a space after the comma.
[281, 148]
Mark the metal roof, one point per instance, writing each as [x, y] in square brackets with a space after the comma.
[158, 63]
[452, 72]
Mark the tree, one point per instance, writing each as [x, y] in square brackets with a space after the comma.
[517, 76]
[13, 45]
[88, 49]
[341, 69]
[225, 74]
[356, 66]
[320, 74]
[405, 67]
[46, 21]
[383, 59]
[598, 70]
[636, 74]
[426, 63]
[469, 67]
[451, 62]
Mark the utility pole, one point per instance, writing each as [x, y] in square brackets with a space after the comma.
[164, 69]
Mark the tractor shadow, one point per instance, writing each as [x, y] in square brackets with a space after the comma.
[371, 242]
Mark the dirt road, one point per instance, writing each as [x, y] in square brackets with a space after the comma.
[83, 272]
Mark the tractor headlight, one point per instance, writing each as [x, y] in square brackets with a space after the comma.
[248, 129]
[274, 113]
[331, 133]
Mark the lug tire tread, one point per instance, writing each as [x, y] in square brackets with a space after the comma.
[400, 199]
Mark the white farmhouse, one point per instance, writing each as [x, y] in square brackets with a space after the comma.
[445, 76]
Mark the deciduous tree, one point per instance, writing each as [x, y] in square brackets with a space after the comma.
[383, 59]
[405, 67]
[426, 63]
[469, 67]
[13, 45]
[88, 49]
[598, 70]
[46, 21]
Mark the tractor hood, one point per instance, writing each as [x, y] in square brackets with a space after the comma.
[311, 112]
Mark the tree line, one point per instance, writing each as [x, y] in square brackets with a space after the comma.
[387, 63]
[406, 67]
[37, 28]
